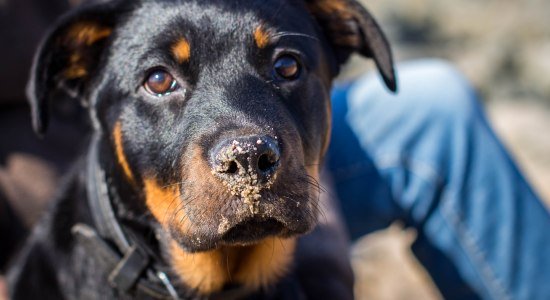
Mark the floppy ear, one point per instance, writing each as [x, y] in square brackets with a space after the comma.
[350, 28]
[68, 57]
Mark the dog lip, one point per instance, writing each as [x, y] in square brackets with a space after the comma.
[253, 230]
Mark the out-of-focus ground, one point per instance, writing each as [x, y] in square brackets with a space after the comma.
[503, 47]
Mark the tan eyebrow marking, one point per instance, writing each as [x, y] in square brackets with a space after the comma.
[261, 36]
[181, 50]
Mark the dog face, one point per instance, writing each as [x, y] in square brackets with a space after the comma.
[215, 113]
[231, 110]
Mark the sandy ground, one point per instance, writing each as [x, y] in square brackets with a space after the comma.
[383, 263]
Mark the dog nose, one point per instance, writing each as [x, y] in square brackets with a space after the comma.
[251, 157]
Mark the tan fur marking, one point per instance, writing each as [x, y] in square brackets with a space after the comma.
[164, 203]
[313, 170]
[76, 67]
[266, 262]
[181, 50]
[75, 71]
[256, 266]
[87, 33]
[204, 271]
[328, 132]
[121, 157]
[77, 38]
[261, 37]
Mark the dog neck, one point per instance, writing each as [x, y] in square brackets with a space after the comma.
[254, 267]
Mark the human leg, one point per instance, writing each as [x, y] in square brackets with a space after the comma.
[427, 156]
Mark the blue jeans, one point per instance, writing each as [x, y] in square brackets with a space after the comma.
[428, 157]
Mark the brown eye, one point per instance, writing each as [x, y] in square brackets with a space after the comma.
[287, 67]
[160, 83]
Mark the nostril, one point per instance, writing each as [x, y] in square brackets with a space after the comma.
[232, 168]
[227, 167]
[266, 162]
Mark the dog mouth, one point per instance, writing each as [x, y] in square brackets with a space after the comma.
[241, 214]
[253, 230]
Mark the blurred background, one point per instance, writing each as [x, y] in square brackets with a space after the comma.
[503, 48]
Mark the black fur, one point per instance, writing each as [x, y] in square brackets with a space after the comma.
[228, 89]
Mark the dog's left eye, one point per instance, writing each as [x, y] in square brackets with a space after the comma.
[160, 83]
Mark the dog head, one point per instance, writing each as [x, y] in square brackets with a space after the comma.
[215, 113]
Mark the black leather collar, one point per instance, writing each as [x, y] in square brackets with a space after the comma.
[131, 270]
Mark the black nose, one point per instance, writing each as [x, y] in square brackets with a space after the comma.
[247, 157]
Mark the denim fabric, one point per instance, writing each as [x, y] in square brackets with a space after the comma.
[428, 157]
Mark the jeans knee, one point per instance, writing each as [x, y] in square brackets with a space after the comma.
[431, 94]
[439, 88]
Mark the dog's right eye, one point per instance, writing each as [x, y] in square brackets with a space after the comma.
[287, 67]
[160, 83]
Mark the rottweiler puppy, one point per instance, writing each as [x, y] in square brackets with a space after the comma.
[210, 121]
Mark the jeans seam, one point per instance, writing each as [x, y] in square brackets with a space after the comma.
[474, 253]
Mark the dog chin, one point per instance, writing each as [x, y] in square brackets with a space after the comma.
[255, 230]
[246, 233]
